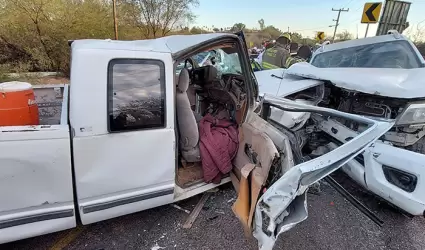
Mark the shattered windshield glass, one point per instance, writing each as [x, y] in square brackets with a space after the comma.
[394, 54]
[225, 63]
[201, 57]
[228, 63]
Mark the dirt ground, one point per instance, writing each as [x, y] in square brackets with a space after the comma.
[333, 223]
[47, 80]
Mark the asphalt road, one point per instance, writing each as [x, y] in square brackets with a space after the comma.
[333, 223]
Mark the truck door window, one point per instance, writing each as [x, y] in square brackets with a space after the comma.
[136, 94]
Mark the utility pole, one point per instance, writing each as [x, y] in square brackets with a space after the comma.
[114, 13]
[337, 20]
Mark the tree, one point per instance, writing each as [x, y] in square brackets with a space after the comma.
[261, 23]
[344, 36]
[238, 27]
[159, 17]
[271, 32]
[216, 30]
[416, 34]
[197, 30]
[39, 30]
[296, 37]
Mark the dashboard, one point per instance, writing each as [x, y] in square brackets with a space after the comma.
[226, 88]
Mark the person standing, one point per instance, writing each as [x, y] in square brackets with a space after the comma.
[276, 56]
[303, 55]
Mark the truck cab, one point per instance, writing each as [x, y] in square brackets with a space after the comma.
[129, 133]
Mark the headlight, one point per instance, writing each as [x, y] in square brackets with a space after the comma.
[413, 114]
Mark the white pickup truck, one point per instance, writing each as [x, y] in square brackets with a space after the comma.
[120, 138]
[381, 77]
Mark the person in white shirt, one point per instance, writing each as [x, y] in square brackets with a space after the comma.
[259, 59]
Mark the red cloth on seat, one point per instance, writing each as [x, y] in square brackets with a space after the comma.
[218, 146]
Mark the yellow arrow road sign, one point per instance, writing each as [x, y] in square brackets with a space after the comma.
[371, 12]
[320, 35]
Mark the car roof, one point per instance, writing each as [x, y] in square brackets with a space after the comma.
[359, 42]
[169, 44]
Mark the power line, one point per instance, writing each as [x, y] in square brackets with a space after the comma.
[348, 3]
[337, 20]
[361, 6]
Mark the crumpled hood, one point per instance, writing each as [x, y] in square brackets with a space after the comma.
[398, 83]
[275, 82]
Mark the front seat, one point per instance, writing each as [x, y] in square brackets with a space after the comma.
[188, 127]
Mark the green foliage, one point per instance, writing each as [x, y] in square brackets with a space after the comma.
[4, 78]
[344, 36]
[271, 32]
[198, 30]
[158, 17]
[238, 27]
[34, 33]
[296, 37]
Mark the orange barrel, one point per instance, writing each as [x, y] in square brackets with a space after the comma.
[17, 104]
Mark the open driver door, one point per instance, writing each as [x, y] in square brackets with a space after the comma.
[272, 180]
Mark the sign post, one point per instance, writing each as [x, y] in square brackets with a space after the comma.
[394, 17]
[370, 14]
[367, 29]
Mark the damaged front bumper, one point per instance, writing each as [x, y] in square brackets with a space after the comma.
[395, 174]
[284, 204]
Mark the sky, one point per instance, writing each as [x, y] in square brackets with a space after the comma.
[302, 16]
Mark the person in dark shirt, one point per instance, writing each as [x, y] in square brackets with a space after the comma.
[276, 56]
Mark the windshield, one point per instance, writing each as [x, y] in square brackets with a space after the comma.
[201, 57]
[228, 63]
[225, 63]
[394, 54]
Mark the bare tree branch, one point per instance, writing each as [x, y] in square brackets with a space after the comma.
[161, 16]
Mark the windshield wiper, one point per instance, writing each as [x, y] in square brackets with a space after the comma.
[279, 77]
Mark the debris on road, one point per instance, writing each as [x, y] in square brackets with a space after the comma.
[219, 212]
[180, 208]
[156, 247]
[192, 217]
[231, 200]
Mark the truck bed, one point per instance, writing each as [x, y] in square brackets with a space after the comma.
[35, 163]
